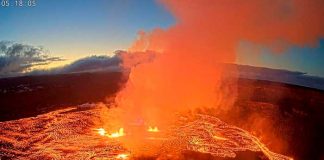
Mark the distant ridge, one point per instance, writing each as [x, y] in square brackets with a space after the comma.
[278, 75]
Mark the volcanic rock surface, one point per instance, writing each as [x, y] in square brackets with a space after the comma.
[71, 134]
[287, 118]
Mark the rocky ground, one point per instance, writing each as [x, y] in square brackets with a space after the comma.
[71, 134]
[288, 119]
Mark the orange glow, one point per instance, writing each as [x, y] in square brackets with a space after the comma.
[120, 133]
[122, 156]
[188, 73]
[153, 129]
[219, 138]
[101, 131]
[191, 133]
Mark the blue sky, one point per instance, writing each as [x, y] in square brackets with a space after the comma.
[79, 28]
[307, 59]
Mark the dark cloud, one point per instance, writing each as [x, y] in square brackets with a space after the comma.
[121, 61]
[87, 64]
[17, 58]
[93, 63]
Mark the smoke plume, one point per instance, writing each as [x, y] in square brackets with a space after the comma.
[187, 71]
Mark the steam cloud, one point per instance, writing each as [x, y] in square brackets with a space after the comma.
[16, 58]
[187, 72]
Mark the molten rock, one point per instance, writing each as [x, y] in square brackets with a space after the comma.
[71, 134]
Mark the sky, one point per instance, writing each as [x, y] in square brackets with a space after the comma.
[307, 59]
[80, 28]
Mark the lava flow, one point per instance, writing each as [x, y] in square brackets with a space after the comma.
[69, 134]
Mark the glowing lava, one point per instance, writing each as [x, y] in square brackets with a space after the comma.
[219, 138]
[122, 156]
[120, 133]
[101, 131]
[153, 129]
[63, 135]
